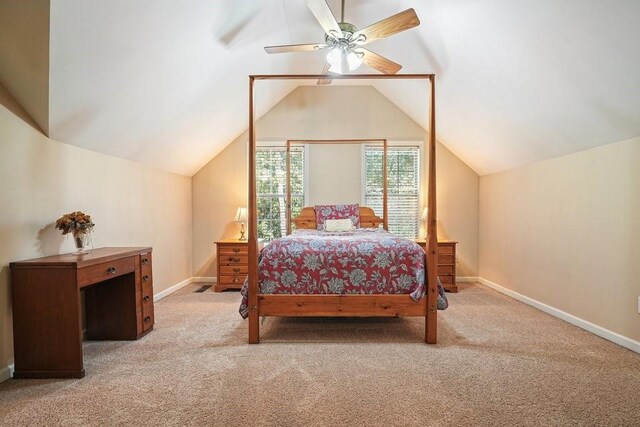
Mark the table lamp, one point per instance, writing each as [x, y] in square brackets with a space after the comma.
[424, 217]
[242, 216]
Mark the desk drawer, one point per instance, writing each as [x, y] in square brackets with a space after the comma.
[230, 269]
[145, 260]
[147, 278]
[104, 271]
[147, 319]
[147, 308]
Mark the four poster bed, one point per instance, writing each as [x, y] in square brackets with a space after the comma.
[357, 272]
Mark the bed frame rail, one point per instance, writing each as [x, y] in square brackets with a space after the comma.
[340, 305]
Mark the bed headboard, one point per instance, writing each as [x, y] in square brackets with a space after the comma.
[307, 218]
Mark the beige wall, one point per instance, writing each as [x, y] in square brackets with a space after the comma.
[311, 112]
[132, 205]
[566, 232]
[334, 174]
[24, 53]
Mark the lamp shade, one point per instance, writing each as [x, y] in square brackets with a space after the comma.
[242, 215]
[425, 213]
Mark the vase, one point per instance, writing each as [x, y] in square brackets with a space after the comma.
[81, 240]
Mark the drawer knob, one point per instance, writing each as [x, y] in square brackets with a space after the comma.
[235, 280]
[145, 278]
[236, 250]
[236, 270]
[147, 319]
[231, 259]
[145, 261]
[146, 298]
[111, 270]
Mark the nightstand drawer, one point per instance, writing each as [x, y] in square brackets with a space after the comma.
[233, 259]
[232, 280]
[230, 269]
[446, 279]
[446, 259]
[445, 250]
[446, 269]
[233, 250]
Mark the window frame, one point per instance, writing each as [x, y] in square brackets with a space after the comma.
[282, 144]
[413, 143]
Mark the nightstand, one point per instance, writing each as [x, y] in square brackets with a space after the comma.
[232, 264]
[446, 263]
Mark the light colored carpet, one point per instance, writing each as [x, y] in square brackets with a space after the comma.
[498, 362]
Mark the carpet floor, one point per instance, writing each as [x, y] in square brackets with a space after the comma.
[498, 362]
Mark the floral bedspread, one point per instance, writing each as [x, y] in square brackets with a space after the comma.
[363, 261]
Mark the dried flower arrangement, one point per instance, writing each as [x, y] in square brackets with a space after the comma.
[75, 223]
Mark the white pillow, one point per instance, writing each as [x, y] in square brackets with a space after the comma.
[338, 225]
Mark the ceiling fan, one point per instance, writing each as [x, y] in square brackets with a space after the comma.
[345, 42]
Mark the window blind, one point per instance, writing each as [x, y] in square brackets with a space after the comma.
[271, 186]
[403, 187]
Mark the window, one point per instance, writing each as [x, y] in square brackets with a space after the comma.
[403, 186]
[271, 174]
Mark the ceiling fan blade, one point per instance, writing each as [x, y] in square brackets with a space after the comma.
[380, 63]
[323, 14]
[234, 19]
[392, 25]
[295, 48]
[325, 70]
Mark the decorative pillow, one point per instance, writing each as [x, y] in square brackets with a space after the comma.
[338, 225]
[325, 212]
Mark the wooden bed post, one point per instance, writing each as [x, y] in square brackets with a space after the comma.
[385, 204]
[254, 313]
[431, 320]
[288, 178]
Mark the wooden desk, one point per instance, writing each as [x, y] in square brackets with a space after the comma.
[47, 312]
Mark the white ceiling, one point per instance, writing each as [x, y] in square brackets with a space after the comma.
[165, 82]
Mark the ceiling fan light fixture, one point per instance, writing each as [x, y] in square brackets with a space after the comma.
[334, 58]
[354, 60]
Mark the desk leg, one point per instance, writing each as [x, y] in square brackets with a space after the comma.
[110, 308]
[47, 330]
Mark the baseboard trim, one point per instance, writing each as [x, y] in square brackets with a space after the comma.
[6, 373]
[172, 289]
[203, 279]
[470, 279]
[614, 337]
[177, 287]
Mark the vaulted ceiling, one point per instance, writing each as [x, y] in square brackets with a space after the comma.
[164, 82]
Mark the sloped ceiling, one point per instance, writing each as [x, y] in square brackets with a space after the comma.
[24, 57]
[165, 82]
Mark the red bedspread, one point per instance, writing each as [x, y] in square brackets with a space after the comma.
[363, 261]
